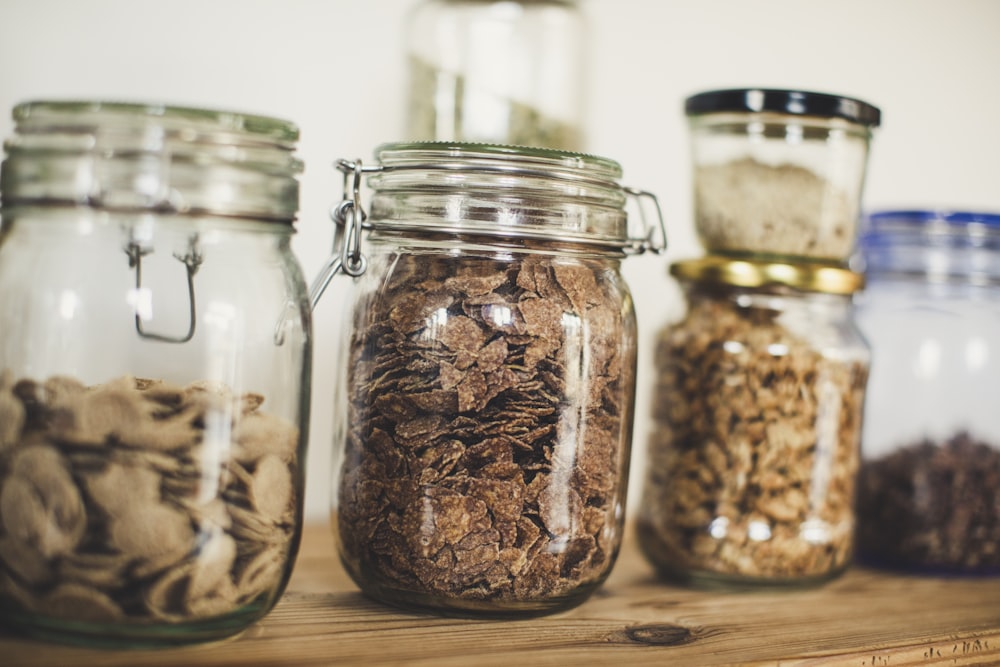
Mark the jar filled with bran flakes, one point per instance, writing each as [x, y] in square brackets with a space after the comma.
[489, 379]
[754, 447]
[154, 372]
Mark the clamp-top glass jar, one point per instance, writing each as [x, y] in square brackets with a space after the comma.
[490, 380]
[154, 372]
[779, 174]
[757, 421]
[499, 71]
[929, 488]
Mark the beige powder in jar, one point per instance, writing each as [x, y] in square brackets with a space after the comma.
[749, 207]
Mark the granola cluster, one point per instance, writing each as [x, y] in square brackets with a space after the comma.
[932, 505]
[490, 411]
[141, 501]
[751, 465]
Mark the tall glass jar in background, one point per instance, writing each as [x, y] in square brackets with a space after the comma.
[497, 71]
[779, 174]
[154, 372]
[757, 408]
[490, 380]
[929, 491]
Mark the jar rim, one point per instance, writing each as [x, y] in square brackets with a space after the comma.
[805, 276]
[784, 101]
[399, 155]
[930, 219]
[508, 191]
[138, 156]
[255, 125]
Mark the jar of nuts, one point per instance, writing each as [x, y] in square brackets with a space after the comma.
[489, 380]
[154, 372]
[757, 414]
[928, 488]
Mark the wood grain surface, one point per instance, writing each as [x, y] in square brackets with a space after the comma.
[863, 619]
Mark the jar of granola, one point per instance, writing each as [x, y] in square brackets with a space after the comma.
[930, 473]
[489, 378]
[154, 372]
[757, 415]
[779, 174]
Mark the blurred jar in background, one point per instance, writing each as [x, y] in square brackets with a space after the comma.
[497, 71]
[927, 496]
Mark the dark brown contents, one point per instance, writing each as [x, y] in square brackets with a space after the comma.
[141, 501]
[753, 453]
[490, 407]
[932, 505]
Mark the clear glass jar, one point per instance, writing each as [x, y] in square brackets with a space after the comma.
[756, 424]
[498, 71]
[778, 174]
[490, 380]
[928, 490]
[154, 372]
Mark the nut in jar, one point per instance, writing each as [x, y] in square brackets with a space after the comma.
[757, 413]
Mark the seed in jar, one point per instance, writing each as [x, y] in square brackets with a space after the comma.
[271, 488]
[12, 414]
[114, 505]
[40, 504]
[76, 601]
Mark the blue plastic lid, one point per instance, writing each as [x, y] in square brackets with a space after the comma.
[942, 241]
[877, 220]
[933, 226]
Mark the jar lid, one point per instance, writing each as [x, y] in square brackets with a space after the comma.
[929, 220]
[794, 102]
[930, 244]
[135, 156]
[511, 193]
[806, 277]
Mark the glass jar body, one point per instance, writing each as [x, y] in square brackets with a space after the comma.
[777, 185]
[151, 489]
[497, 72]
[927, 496]
[757, 417]
[489, 398]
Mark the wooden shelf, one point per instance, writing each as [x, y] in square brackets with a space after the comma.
[864, 618]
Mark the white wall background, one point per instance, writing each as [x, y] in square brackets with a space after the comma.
[336, 67]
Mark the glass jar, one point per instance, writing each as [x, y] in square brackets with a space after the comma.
[154, 372]
[499, 71]
[490, 380]
[928, 491]
[756, 424]
[778, 174]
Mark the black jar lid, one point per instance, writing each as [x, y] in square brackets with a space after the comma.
[794, 102]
